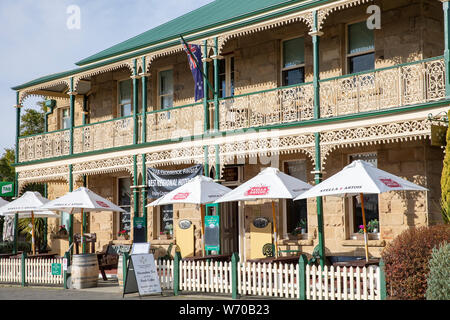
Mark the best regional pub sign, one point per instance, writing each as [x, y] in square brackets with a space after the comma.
[7, 189]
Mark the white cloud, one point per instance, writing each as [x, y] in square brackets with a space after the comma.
[36, 41]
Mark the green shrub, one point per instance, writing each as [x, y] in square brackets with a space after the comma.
[7, 247]
[439, 276]
[407, 257]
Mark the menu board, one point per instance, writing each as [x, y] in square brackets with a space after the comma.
[142, 275]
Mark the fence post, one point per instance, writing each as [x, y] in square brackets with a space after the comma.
[176, 273]
[302, 262]
[234, 275]
[67, 257]
[24, 257]
[124, 268]
[382, 281]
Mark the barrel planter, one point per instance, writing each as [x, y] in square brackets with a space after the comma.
[84, 271]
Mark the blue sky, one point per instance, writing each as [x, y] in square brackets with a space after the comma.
[36, 41]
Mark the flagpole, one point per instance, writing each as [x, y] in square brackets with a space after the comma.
[198, 66]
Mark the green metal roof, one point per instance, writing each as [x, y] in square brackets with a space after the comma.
[213, 14]
[216, 12]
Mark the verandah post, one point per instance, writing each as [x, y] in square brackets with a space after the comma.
[176, 274]
[302, 263]
[67, 257]
[234, 275]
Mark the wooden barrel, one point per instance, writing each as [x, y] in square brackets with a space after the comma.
[84, 271]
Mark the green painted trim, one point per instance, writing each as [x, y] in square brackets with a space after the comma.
[302, 263]
[135, 190]
[174, 108]
[70, 226]
[65, 275]
[234, 275]
[135, 103]
[97, 63]
[144, 195]
[176, 274]
[205, 88]
[312, 122]
[383, 291]
[72, 115]
[84, 226]
[16, 232]
[216, 86]
[18, 110]
[319, 201]
[42, 134]
[144, 103]
[23, 270]
[124, 268]
[382, 69]
[47, 114]
[446, 8]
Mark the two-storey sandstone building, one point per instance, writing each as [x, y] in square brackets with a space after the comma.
[304, 85]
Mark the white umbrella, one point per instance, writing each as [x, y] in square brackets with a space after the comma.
[270, 183]
[200, 190]
[80, 201]
[28, 206]
[3, 202]
[360, 177]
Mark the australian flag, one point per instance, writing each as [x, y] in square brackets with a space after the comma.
[197, 72]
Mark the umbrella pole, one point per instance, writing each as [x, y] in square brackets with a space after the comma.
[275, 228]
[83, 247]
[366, 247]
[33, 246]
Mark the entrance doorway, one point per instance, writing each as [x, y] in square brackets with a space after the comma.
[229, 227]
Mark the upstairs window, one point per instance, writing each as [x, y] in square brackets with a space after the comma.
[165, 89]
[65, 118]
[361, 48]
[226, 77]
[125, 98]
[293, 64]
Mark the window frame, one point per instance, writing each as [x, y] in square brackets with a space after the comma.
[118, 219]
[282, 68]
[284, 203]
[349, 203]
[227, 58]
[348, 56]
[158, 87]
[158, 226]
[119, 105]
[63, 118]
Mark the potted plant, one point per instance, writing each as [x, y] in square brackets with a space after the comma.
[373, 226]
[123, 235]
[300, 228]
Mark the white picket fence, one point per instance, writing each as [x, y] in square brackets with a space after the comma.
[343, 283]
[203, 276]
[165, 272]
[10, 270]
[37, 271]
[280, 280]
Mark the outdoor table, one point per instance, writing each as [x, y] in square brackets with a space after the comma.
[219, 257]
[286, 259]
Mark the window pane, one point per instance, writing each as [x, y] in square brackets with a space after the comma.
[125, 203]
[293, 52]
[360, 38]
[125, 110]
[362, 63]
[125, 88]
[296, 211]
[66, 123]
[166, 226]
[232, 78]
[165, 82]
[293, 76]
[166, 102]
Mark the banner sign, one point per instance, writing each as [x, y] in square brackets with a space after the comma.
[7, 189]
[161, 182]
[212, 233]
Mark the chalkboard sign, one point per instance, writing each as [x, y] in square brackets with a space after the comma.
[142, 276]
[212, 233]
[119, 249]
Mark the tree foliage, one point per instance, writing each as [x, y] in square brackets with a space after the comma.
[445, 182]
[439, 276]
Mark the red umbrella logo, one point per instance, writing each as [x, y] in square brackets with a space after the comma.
[181, 196]
[390, 183]
[257, 191]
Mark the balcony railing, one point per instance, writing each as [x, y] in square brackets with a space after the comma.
[174, 123]
[392, 87]
[103, 135]
[397, 86]
[44, 146]
[269, 107]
